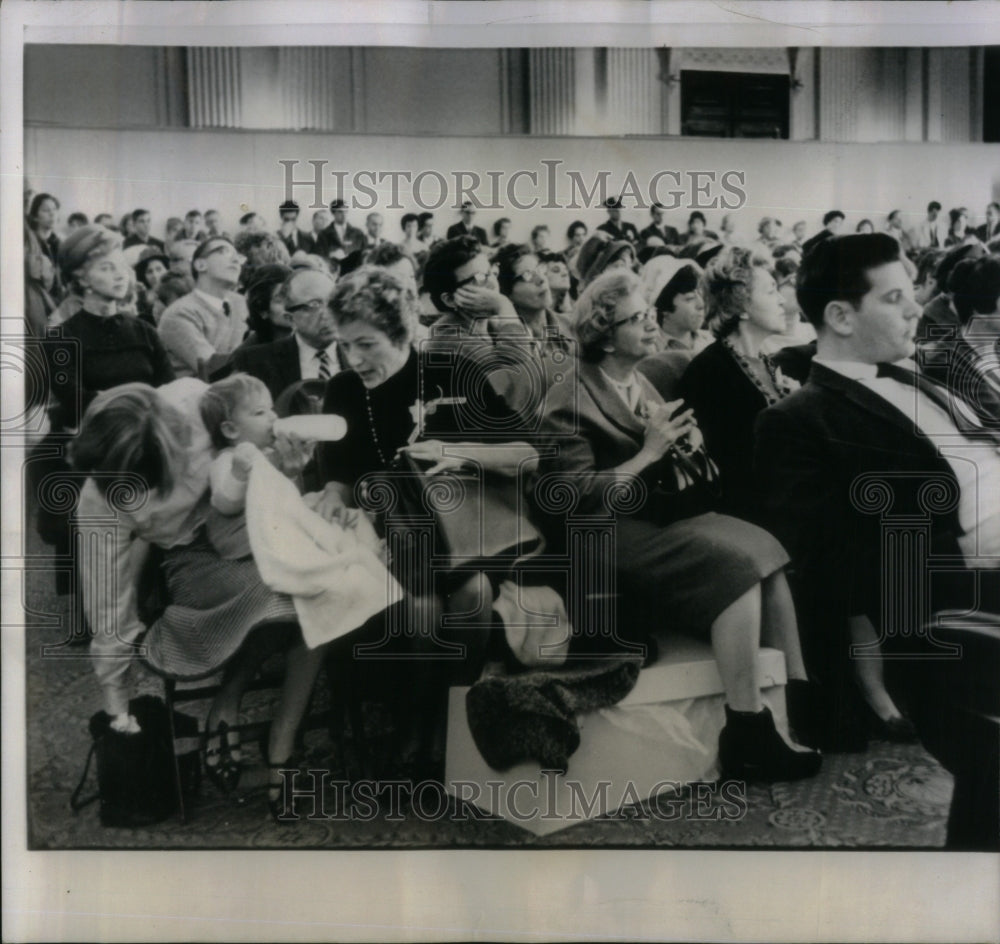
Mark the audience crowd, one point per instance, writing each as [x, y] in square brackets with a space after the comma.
[753, 409]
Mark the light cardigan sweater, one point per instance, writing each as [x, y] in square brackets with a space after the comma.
[192, 329]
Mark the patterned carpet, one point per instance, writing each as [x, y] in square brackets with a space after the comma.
[892, 797]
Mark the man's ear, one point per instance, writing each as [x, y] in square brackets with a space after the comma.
[838, 316]
[448, 300]
[199, 265]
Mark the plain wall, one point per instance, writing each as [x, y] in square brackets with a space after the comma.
[172, 171]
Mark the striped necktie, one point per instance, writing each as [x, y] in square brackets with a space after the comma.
[324, 364]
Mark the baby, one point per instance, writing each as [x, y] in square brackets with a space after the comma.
[239, 417]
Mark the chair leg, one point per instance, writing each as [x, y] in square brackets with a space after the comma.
[168, 696]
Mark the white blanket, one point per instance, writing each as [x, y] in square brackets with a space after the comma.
[337, 582]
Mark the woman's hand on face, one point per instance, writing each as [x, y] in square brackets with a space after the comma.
[483, 302]
[666, 425]
[432, 450]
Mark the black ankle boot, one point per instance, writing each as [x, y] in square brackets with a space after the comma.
[751, 749]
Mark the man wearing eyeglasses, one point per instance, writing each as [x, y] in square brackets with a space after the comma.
[310, 352]
[202, 329]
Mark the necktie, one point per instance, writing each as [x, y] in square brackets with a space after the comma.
[952, 404]
[934, 239]
[324, 365]
[226, 309]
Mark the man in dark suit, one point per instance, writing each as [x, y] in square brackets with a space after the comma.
[340, 239]
[991, 228]
[289, 232]
[851, 472]
[310, 351]
[659, 229]
[465, 227]
[140, 234]
[614, 226]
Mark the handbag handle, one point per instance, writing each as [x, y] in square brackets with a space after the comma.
[76, 804]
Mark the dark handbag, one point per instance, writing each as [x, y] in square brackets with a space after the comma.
[135, 772]
[478, 518]
[687, 485]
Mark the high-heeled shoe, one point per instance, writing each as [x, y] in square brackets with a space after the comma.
[751, 749]
[222, 759]
[897, 730]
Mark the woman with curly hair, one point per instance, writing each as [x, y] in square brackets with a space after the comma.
[730, 382]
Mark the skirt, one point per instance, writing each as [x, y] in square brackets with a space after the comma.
[685, 574]
[214, 604]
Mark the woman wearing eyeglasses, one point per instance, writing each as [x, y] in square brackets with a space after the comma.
[619, 449]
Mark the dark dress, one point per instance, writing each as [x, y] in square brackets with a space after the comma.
[726, 404]
[96, 353]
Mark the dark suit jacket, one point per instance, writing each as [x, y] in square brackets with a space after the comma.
[984, 233]
[458, 229]
[624, 231]
[795, 361]
[306, 242]
[275, 363]
[811, 450]
[329, 241]
[668, 234]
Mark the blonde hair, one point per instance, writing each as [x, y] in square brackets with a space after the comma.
[222, 399]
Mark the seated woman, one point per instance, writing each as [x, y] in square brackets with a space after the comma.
[523, 278]
[706, 573]
[147, 456]
[100, 347]
[152, 265]
[600, 253]
[729, 382]
[391, 397]
[266, 318]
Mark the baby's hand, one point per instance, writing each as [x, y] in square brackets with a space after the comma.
[244, 456]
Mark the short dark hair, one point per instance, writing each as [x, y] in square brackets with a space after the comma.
[203, 250]
[837, 270]
[927, 263]
[36, 203]
[933, 205]
[247, 217]
[191, 214]
[993, 204]
[538, 229]
[444, 259]
[656, 206]
[697, 215]
[409, 218]
[574, 226]
[78, 217]
[683, 281]
[831, 216]
[499, 223]
[290, 206]
[506, 262]
[424, 217]
[137, 213]
[952, 258]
